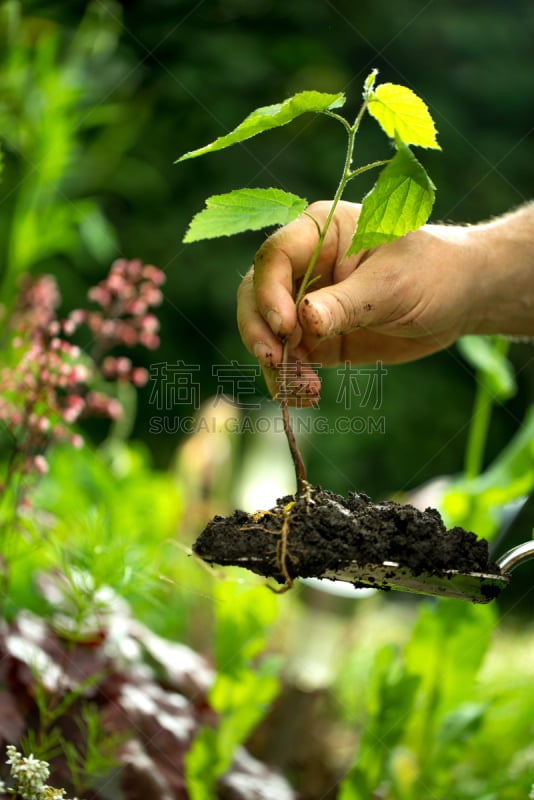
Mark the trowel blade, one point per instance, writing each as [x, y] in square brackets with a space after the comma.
[477, 587]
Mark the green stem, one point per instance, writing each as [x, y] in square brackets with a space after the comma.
[347, 175]
[361, 170]
[324, 230]
[480, 422]
[478, 431]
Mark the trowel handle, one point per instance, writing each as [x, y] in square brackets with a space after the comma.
[516, 556]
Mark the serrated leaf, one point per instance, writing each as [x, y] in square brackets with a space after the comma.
[402, 114]
[400, 201]
[274, 116]
[244, 210]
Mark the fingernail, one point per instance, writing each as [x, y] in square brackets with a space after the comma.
[274, 320]
[323, 318]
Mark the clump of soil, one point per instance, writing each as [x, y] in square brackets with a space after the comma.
[307, 537]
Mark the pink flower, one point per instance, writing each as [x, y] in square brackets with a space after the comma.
[74, 407]
[153, 274]
[150, 324]
[41, 464]
[139, 376]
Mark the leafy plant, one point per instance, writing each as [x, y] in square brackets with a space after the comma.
[242, 690]
[400, 201]
[422, 707]
[58, 88]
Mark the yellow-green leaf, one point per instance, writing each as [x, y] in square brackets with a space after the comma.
[402, 114]
[400, 201]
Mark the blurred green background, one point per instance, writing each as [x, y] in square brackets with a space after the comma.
[97, 101]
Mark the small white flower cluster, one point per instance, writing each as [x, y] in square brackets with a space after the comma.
[29, 775]
[531, 795]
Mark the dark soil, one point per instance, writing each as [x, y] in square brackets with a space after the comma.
[329, 532]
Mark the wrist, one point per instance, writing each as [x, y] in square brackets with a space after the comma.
[503, 294]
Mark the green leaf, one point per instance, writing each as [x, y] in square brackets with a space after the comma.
[485, 355]
[459, 637]
[268, 117]
[400, 201]
[242, 692]
[369, 84]
[244, 617]
[244, 210]
[96, 231]
[401, 113]
[391, 696]
[476, 504]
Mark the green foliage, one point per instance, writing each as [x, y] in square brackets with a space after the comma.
[400, 201]
[99, 754]
[274, 116]
[391, 692]
[401, 113]
[488, 355]
[112, 521]
[495, 383]
[475, 499]
[51, 81]
[242, 690]
[242, 210]
[421, 707]
[476, 503]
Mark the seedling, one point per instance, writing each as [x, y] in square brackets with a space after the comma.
[400, 201]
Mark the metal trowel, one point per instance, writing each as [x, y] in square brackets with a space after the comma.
[478, 587]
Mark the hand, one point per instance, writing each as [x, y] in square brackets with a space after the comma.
[394, 303]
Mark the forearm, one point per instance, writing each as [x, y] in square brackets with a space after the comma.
[504, 301]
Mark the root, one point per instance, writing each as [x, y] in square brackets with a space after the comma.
[282, 553]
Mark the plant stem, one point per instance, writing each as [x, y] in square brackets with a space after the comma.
[478, 432]
[324, 230]
[480, 421]
[366, 168]
[346, 176]
[298, 462]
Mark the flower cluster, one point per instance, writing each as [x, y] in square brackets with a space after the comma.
[48, 383]
[29, 776]
[125, 299]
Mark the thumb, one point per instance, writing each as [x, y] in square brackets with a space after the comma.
[355, 302]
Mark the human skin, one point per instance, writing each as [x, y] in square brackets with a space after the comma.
[394, 303]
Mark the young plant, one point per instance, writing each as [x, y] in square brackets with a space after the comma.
[400, 201]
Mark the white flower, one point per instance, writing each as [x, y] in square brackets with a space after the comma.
[29, 775]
